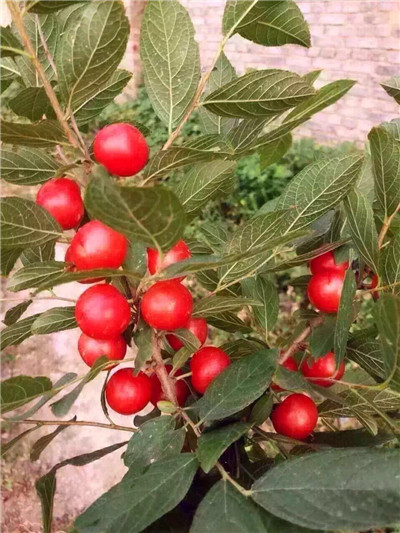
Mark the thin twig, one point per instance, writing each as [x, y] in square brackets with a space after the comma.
[45, 47]
[386, 225]
[62, 299]
[78, 134]
[75, 423]
[300, 338]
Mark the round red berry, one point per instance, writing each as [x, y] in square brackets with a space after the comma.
[325, 262]
[157, 394]
[121, 148]
[91, 349]
[205, 366]
[167, 305]
[324, 291]
[295, 417]
[290, 364]
[102, 312]
[323, 367]
[126, 393]
[95, 245]
[179, 252]
[61, 197]
[197, 326]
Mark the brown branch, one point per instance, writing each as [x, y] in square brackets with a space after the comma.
[167, 383]
[386, 225]
[19, 24]
[75, 423]
[300, 338]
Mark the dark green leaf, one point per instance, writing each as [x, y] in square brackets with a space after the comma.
[44, 441]
[304, 257]
[188, 339]
[264, 291]
[344, 315]
[272, 152]
[215, 235]
[32, 103]
[169, 54]
[228, 321]
[19, 390]
[27, 167]
[56, 319]
[323, 337]
[38, 254]
[343, 497]
[312, 76]
[261, 409]
[242, 347]
[351, 438]
[391, 264]
[8, 259]
[46, 133]
[387, 319]
[8, 73]
[7, 41]
[392, 87]
[180, 357]
[365, 350]
[44, 6]
[6, 446]
[151, 215]
[46, 489]
[155, 440]
[143, 340]
[211, 445]
[137, 501]
[362, 228]
[17, 332]
[238, 385]
[261, 93]
[15, 313]
[245, 134]
[215, 305]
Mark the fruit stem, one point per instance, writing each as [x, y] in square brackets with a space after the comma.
[300, 338]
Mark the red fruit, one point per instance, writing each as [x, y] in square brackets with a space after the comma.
[324, 367]
[374, 282]
[121, 148]
[157, 394]
[325, 262]
[61, 197]
[102, 312]
[205, 366]
[290, 364]
[126, 393]
[91, 349]
[197, 326]
[295, 417]
[324, 291]
[95, 245]
[167, 305]
[179, 252]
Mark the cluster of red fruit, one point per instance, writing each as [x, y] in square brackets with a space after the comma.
[102, 312]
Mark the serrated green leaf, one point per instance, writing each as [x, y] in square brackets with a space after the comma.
[91, 49]
[264, 291]
[27, 167]
[56, 319]
[392, 87]
[385, 153]
[238, 385]
[137, 501]
[143, 340]
[387, 319]
[229, 321]
[46, 133]
[17, 332]
[211, 445]
[204, 182]
[344, 315]
[155, 440]
[32, 103]
[170, 55]
[272, 152]
[150, 215]
[261, 93]
[215, 305]
[349, 504]
[391, 264]
[44, 441]
[19, 390]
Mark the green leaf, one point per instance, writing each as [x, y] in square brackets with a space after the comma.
[169, 54]
[7, 41]
[92, 106]
[211, 445]
[215, 305]
[43, 442]
[273, 23]
[261, 410]
[228, 321]
[362, 228]
[304, 258]
[44, 6]
[391, 264]
[46, 488]
[46, 133]
[343, 497]
[385, 152]
[204, 182]
[27, 167]
[215, 235]
[56, 319]
[32, 103]
[8, 73]
[91, 49]
[317, 189]
[15, 313]
[387, 319]
[238, 385]
[189, 341]
[151, 215]
[19, 390]
[25, 224]
[180, 357]
[143, 340]
[344, 315]
[17, 332]
[6, 446]
[8, 258]
[222, 73]
[312, 76]
[324, 97]
[244, 135]
[239, 348]
[351, 438]
[365, 350]
[155, 440]
[38, 254]
[137, 501]
[272, 152]
[263, 93]
[323, 337]
[264, 291]
[392, 87]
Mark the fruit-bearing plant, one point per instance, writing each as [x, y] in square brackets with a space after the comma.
[244, 433]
